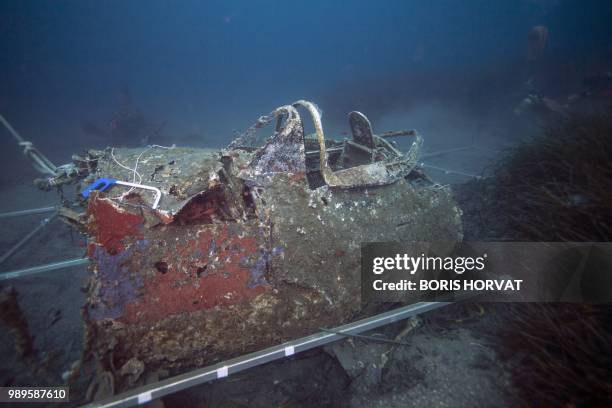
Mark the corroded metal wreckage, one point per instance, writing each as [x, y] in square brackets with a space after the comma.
[248, 246]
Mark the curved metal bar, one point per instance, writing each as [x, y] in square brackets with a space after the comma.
[157, 191]
[318, 125]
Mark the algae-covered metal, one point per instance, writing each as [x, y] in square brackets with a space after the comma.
[249, 246]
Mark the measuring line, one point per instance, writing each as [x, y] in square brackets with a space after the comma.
[443, 152]
[446, 171]
[20, 273]
[27, 212]
[459, 149]
[145, 394]
[27, 238]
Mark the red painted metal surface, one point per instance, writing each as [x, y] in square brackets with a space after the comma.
[111, 226]
[147, 274]
[214, 268]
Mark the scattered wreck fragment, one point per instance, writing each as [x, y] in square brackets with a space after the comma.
[593, 99]
[200, 255]
[12, 317]
[544, 110]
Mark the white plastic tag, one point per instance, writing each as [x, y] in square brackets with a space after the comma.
[222, 372]
[144, 397]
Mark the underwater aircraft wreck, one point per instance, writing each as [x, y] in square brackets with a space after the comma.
[200, 255]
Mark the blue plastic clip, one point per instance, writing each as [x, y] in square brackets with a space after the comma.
[100, 184]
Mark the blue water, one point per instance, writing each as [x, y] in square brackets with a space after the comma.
[208, 68]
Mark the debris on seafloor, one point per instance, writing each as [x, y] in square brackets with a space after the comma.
[364, 358]
[594, 98]
[13, 318]
[243, 248]
[545, 110]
